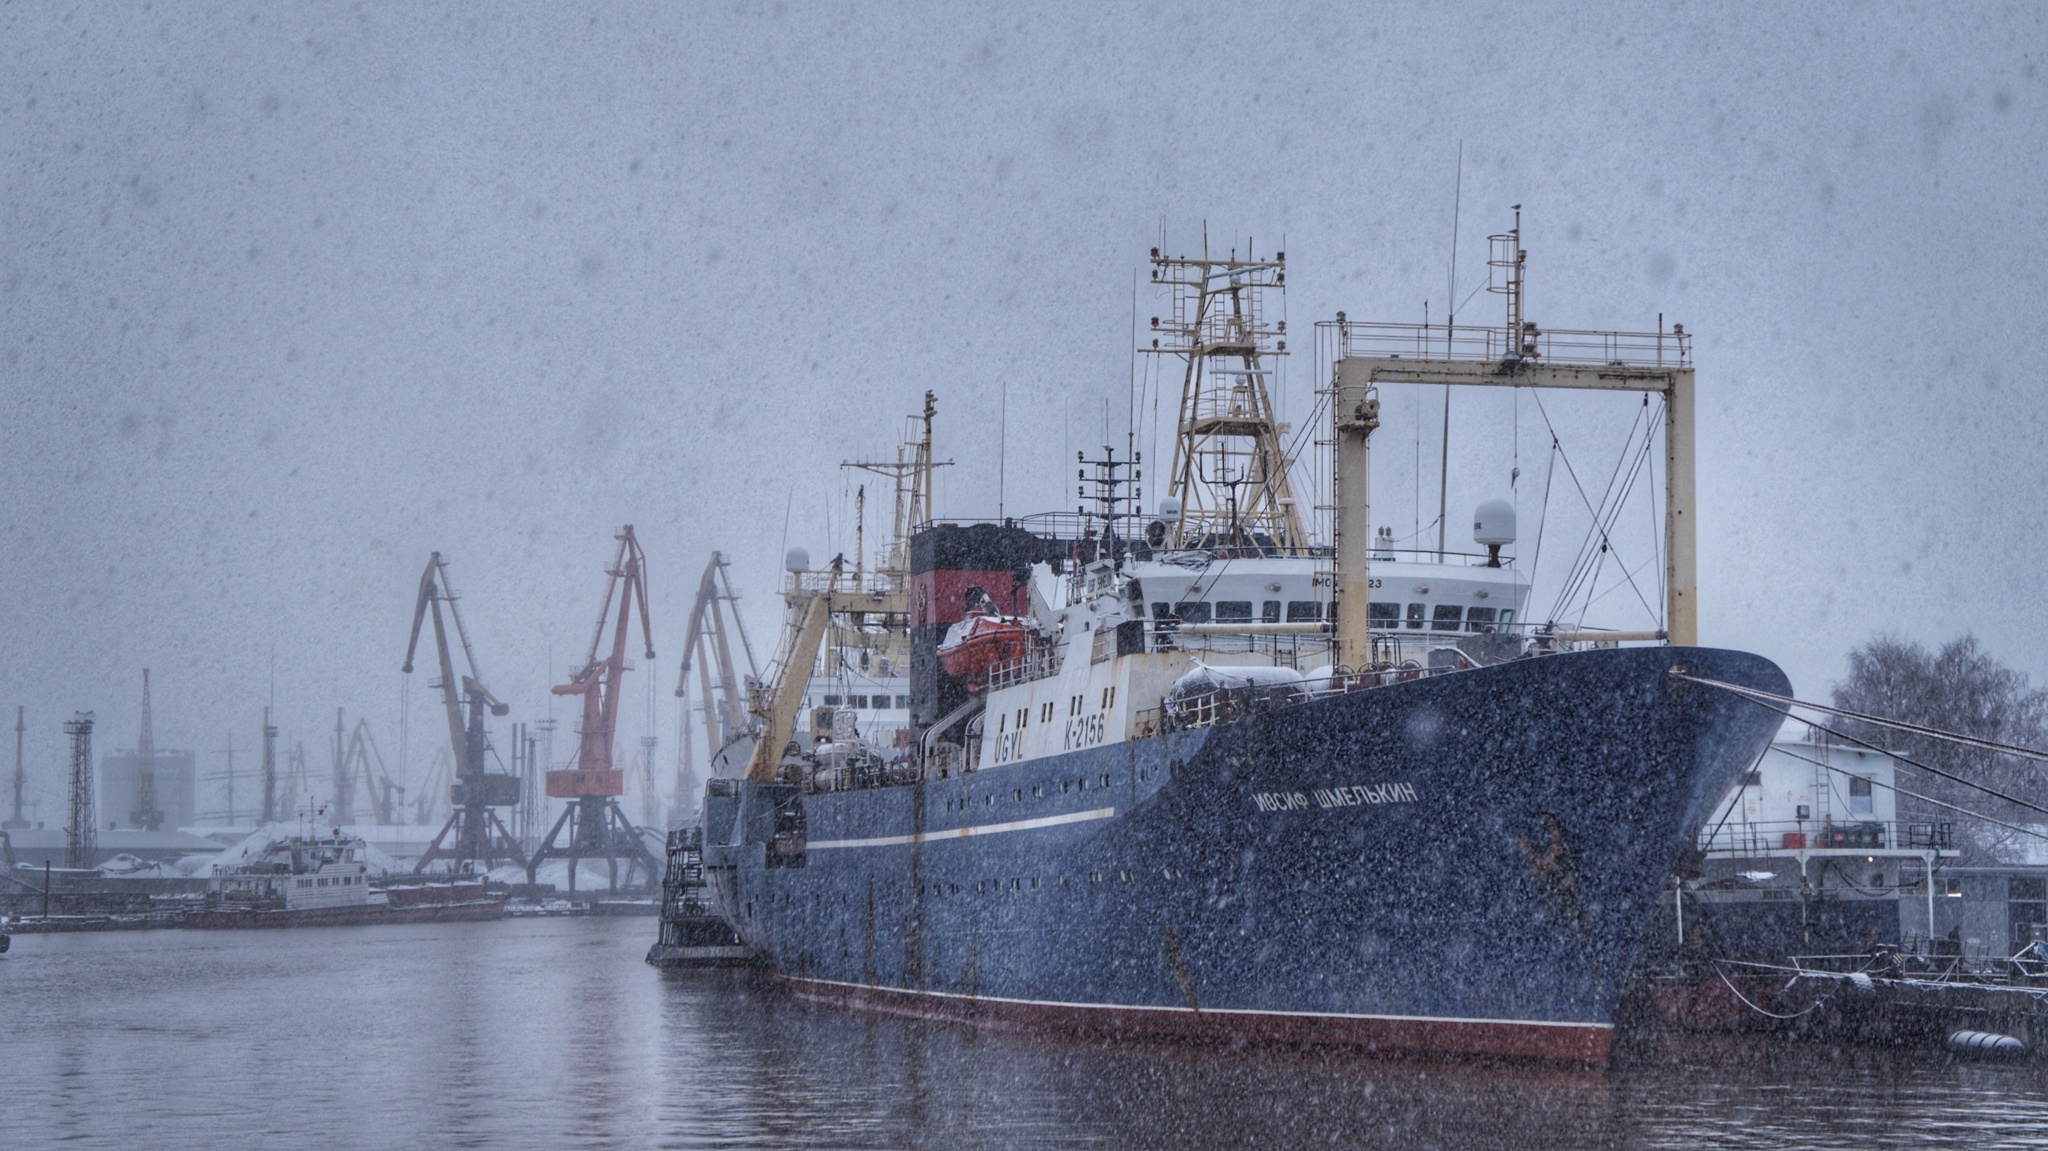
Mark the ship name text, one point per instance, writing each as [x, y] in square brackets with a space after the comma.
[1327, 797]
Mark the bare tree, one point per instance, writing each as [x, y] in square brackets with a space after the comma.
[1961, 689]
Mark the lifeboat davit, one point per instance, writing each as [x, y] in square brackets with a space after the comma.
[980, 642]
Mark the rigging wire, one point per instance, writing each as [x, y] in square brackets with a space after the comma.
[1917, 729]
[1928, 798]
[1751, 694]
[1543, 510]
[1815, 1005]
[1605, 517]
[1605, 514]
[1617, 587]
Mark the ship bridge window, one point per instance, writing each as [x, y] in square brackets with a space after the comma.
[1269, 611]
[903, 701]
[1416, 614]
[856, 701]
[1234, 610]
[1195, 611]
[1480, 618]
[831, 701]
[1859, 795]
[1304, 610]
[1384, 614]
[1447, 617]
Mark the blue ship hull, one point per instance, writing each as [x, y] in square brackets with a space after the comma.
[1462, 863]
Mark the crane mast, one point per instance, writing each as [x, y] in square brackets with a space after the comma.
[481, 839]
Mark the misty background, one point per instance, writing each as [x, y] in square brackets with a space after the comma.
[291, 296]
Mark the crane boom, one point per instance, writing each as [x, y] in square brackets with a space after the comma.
[429, 600]
[780, 703]
[475, 791]
[597, 827]
[598, 681]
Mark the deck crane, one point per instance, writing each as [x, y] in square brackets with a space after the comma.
[597, 825]
[708, 648]
[481, 840]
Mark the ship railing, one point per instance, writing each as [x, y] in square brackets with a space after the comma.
[848, 583]
[860, 776]
[1775, 837]
[1233, 703]
[1044, 660]
[1581, 347]
[2020, 963]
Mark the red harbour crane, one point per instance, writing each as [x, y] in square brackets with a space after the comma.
[597, 826]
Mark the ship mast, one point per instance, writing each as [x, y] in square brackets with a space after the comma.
[1229, 471]
[913, 480]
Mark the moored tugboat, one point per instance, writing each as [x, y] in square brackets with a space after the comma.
[307, 881]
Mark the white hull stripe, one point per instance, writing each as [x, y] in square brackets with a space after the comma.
[1243, 1011]
[964, 832]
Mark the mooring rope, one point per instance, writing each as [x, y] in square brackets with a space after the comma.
[1900, 724]
[1737, 992]
[1760, 697]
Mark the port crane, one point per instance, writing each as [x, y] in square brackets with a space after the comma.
[481, 840]
[362, 765]
[597, 826]
[708, 649]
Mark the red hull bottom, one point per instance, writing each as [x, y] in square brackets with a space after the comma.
[1582, 1043]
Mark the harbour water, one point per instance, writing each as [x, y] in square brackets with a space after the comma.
[553, 1033]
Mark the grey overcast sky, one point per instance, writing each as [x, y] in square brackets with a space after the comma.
[291, 295]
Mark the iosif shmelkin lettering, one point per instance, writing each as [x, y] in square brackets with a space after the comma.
[1353, 795]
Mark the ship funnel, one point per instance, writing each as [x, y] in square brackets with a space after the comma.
[1493, 526]
[797, 560]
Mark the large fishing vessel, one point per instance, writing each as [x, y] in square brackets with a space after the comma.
[1204, 775]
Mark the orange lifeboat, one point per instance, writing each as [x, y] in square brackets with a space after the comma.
[980, 642]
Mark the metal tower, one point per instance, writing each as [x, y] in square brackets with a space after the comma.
[598, 827]
[270, 812]
[17, 821]
[1229, 469]
[147, 815]
[343, 809]
[481, 840]
[81, 831]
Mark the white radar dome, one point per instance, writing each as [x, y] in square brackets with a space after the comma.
[1169, 510]
[797, 560]
[1493, 524]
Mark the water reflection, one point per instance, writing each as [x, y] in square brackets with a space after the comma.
[861, 1080]
[555, 1034]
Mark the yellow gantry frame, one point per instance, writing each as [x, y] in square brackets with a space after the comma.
[1357, 378]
